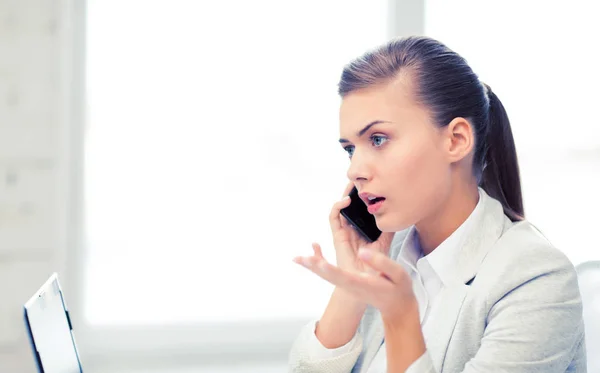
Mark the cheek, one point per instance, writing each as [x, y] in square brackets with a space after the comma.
[420, 183]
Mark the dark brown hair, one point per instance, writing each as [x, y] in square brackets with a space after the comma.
[447, 85]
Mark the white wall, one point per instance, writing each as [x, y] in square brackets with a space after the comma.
[33, 153]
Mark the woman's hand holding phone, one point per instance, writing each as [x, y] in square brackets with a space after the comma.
[347, 241]
[344, 311]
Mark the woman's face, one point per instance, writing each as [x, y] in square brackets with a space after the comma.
[396, 152]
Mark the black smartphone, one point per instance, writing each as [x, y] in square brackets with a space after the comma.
[360, 218]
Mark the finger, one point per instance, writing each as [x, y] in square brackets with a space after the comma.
[382, 263]
[306, 261]
[312, 263]
[344, 222]
[335, 219]
[348, 189]
[374, 271]
[317, 250]
[359, 283]
[362, 285]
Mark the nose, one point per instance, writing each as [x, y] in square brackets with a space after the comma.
[359, 169]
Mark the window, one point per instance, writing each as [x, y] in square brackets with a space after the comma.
[537, 57]
[211, 156]
[211, 159]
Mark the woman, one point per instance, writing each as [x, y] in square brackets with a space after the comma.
[458, 281]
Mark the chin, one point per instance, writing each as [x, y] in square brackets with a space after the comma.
[389, 224]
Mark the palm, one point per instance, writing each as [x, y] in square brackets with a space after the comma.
[348, 240]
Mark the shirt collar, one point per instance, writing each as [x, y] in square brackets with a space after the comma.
[410, 251]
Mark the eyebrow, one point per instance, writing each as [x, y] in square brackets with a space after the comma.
[365, 129]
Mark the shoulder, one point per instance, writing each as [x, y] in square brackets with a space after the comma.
[523, 256]
[522, 246]
[526, 298]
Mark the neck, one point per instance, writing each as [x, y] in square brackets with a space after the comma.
[436, 228]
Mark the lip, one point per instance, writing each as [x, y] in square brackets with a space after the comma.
[375, 207]
[365, 197]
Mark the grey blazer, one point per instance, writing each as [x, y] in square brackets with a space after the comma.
[516, 309]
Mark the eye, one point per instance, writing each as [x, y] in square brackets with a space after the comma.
[350, 150]
[378, 140]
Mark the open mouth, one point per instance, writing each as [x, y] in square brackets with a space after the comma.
[374, 200]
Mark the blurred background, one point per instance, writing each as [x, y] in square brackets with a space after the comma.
[169, 158]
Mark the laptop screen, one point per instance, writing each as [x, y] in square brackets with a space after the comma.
[50, 330]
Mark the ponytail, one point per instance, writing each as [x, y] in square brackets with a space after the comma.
[500, 175]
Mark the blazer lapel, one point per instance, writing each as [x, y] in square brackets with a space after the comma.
[442, 320]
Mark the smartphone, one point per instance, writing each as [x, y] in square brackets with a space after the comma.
[360, 218]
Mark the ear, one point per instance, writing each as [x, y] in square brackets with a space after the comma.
[460, 139]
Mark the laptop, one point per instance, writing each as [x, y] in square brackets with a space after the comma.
[50, 330]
